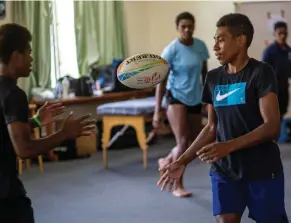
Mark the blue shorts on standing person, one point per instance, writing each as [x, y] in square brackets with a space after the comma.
[264, 198]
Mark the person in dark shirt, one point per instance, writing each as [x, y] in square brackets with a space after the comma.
[239, 139]
[278, 55]
[15, 133]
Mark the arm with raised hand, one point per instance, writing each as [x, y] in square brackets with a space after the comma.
[15, 110]
[174, 170]
[46, 114]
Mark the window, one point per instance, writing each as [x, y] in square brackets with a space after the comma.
[63, 41]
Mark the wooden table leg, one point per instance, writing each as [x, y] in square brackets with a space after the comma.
[49, 131]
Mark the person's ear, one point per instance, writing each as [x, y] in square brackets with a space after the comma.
[14, 56]
[242, 39]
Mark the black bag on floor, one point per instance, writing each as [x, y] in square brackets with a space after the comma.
[66, 150]
[126, 141]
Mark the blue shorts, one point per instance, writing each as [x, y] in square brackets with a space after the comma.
[264, 199]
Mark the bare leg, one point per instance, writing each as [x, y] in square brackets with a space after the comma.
[178, 119]
[195, 126]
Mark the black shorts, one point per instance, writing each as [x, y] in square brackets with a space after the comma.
[16, 210]
[170, 100]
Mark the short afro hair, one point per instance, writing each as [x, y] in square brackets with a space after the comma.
[279, 25]
[13, 37]
[238, 24]
[184, 16]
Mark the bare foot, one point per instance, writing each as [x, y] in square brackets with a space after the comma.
[181, 192]
[162, 163]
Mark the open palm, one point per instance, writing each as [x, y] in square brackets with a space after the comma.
[48, 111]
[173, 173]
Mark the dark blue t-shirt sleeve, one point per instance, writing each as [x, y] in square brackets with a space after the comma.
[15, 106]
[266, 81]
[266, 56]
[207, 93]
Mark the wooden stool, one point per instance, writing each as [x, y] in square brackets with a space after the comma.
[36, 135]
[137, 122]
[134, 113]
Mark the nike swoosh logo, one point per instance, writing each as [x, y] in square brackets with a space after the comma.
[220, 97]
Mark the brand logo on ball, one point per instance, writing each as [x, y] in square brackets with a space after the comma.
[142, 56]
[153, 79]
[123, 77]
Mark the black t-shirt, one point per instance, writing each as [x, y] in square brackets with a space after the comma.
[235, 98]
[14, 108]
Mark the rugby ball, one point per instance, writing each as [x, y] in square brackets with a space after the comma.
[142, 71]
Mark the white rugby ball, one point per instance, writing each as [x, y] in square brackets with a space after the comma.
[142, 71]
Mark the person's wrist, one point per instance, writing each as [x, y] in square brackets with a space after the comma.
[231, 146]
[63, 134]
[157, 110]
[37, 120]
[183, 161]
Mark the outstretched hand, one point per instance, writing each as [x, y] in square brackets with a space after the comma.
[83, 126]
[48, 111]
[213, 152]
[173, 172]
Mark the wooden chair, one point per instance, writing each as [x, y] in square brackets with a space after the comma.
[36, 135]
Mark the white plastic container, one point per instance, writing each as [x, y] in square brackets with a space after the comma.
[65, 88]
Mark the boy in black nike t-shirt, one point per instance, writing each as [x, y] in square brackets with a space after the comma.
[15, 131]
[243, 122]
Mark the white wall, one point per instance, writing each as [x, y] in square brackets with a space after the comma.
[162, 22]
[8, 17]
[137, 26]
[151, 24]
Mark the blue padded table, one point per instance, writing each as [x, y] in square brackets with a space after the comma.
[144, 106]
[134, 113]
